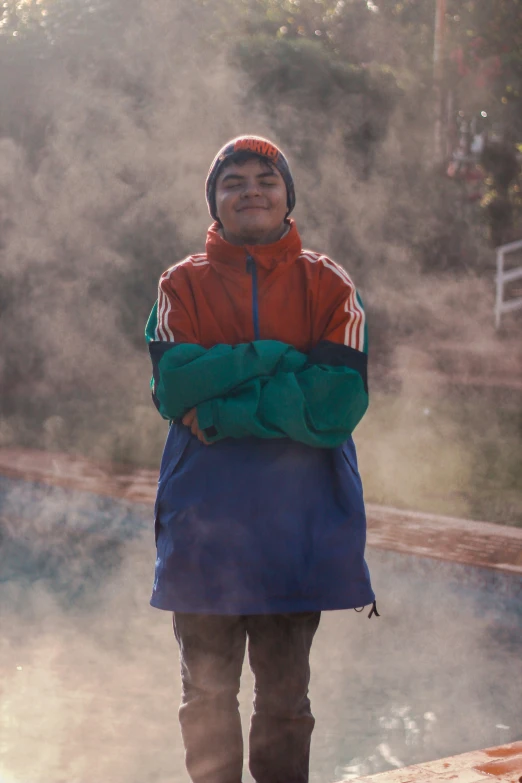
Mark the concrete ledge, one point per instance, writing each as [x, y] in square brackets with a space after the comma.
[503, 763]
[75, 472]
[446, 538]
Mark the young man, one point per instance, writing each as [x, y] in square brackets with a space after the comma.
[259, 362]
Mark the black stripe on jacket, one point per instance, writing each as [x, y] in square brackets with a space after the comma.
[337, 355]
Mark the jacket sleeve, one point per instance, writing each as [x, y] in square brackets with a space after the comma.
[169, 323]
[170, 320]
[264, 388]
[317, 405]
[341, 335]
[267, 388]
[323, 401]
[187, 375]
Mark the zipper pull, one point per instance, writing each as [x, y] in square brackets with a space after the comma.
[250, 263]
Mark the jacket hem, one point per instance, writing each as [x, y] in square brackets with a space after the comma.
[269, 606]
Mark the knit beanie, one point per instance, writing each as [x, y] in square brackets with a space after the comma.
[259, 146]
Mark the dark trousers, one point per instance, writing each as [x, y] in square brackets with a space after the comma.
[212, 651]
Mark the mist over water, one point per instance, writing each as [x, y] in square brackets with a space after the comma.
[90, 673]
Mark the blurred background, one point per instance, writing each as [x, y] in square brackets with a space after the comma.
[403, 123]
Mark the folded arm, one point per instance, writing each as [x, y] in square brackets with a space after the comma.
[266, 388]
[318, 405]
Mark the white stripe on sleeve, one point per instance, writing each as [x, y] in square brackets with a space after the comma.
[353, 337]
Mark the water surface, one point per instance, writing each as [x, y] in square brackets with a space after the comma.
[89, 672]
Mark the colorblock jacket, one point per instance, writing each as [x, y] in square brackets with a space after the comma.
[269, 343]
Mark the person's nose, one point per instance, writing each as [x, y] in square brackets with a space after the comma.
[252, 188]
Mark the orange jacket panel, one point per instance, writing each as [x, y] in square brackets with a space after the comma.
[303, 297]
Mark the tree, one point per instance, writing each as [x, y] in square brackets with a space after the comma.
[485, 67]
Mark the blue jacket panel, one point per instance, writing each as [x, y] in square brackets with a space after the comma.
[254, 526]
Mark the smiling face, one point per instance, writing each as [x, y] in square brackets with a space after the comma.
[251, 202]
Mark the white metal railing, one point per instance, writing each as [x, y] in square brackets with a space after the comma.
[502, 305]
